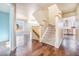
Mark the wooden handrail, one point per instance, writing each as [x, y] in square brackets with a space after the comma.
[36, 33]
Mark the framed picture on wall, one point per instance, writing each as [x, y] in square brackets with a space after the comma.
[19, 26]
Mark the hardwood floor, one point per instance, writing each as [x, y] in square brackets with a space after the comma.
[21, 51]
[67, 48]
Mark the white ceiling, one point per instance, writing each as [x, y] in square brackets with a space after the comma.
[4, 7]
[27, 9]
[67, 7]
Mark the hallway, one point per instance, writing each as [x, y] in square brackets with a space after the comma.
[44, 29]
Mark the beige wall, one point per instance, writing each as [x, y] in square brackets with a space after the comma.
[77, 15]
[41, 16]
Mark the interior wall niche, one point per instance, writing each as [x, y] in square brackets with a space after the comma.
[19, 33]
[19, 26]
